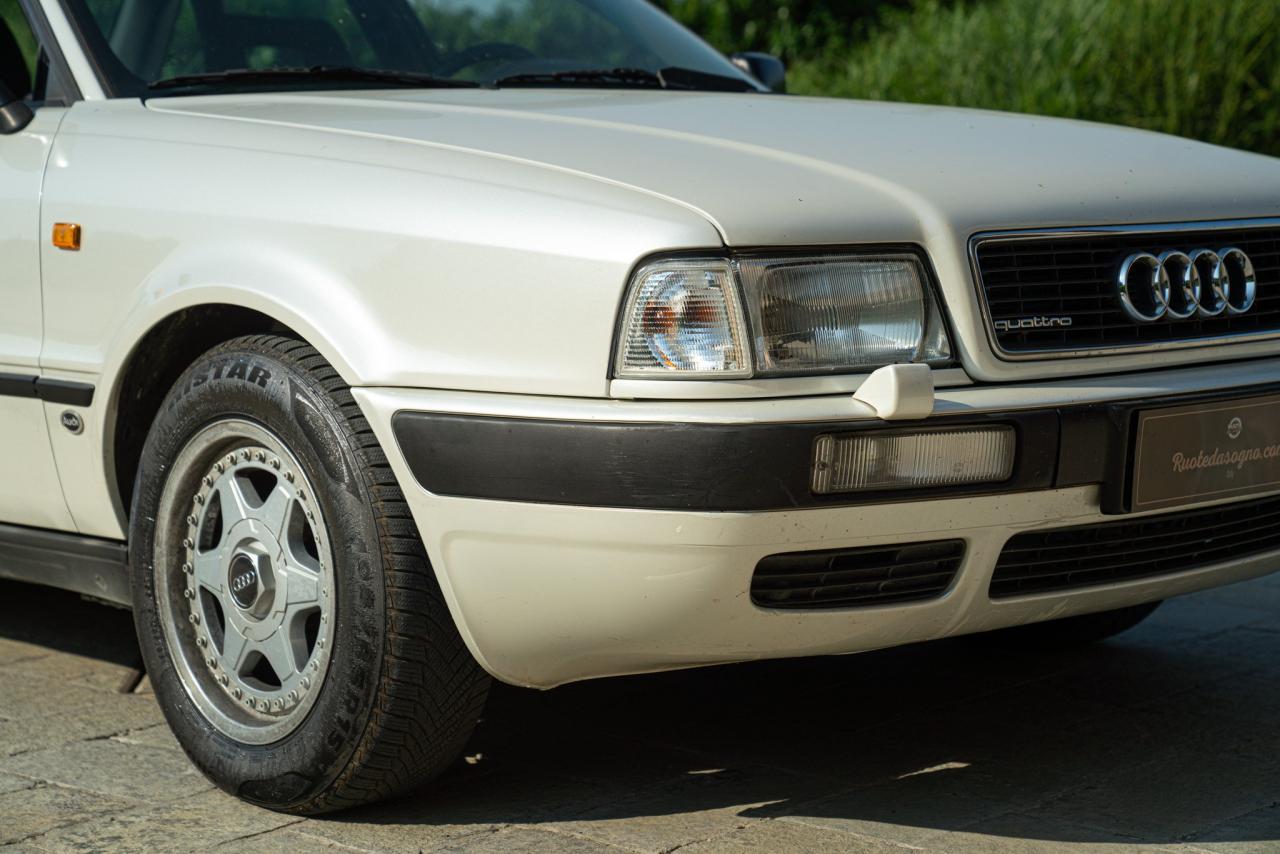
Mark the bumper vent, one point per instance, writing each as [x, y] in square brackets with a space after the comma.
[1092, 555]
[1037, 281]
[857, 578]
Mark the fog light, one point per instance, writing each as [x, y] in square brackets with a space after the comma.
[912, 460]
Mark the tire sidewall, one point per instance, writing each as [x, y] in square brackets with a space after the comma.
[250, 381]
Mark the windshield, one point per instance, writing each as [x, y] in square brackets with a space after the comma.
[139, 43]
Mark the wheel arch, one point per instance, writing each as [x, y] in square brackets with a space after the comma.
[164, 346]
[152, 367]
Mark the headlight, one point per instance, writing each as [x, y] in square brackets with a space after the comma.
[807, 315]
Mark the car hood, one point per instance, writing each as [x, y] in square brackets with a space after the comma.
[769, 170]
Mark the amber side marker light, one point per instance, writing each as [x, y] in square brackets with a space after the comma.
[66, 235]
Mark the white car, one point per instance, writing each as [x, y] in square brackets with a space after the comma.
[374, 350]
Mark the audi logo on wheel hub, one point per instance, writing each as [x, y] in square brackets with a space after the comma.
[1182, 285]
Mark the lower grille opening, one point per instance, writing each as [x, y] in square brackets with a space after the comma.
[857, 578]
[1092, 555]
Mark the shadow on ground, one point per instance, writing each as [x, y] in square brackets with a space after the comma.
[1167, 735]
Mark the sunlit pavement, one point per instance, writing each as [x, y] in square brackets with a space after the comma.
[1167, 738]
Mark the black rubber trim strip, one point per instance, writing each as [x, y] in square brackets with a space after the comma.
[86, 565]
[702, 467]
[17, 385]
[106, 66]
[711, 467]
[53, 391]
[57, 60]
[64, 392]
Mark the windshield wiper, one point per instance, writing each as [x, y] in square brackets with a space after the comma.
[640, 78]
[323, 73]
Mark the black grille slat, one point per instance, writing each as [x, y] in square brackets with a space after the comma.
[1219, 531]
[1074, 276]
[1090, 555]
[852, 578]
[839, 576]
[1109, 563]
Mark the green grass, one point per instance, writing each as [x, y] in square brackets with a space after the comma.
[1206, 69]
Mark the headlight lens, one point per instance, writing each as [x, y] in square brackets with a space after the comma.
[807, 315]
[683, 318]
[826, 314]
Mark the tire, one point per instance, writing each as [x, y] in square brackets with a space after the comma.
[291, 624]
[1077, 631]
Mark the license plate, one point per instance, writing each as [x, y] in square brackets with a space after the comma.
[1206, 451]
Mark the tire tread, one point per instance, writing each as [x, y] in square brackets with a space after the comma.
[430, 689]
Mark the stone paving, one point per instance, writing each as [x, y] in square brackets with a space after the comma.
[1166, 739]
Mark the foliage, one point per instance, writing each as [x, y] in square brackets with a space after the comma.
[1214, 74]
[792, 29]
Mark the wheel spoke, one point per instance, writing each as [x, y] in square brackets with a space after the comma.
[304, 587]
[275, 512]
[208, 571]
[234, 650]
[235, 504]
[279, 654]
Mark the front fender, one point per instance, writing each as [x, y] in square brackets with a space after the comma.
[404, 266]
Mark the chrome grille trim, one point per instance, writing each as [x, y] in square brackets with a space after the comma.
[1018, 235]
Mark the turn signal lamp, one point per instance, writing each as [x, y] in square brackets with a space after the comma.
[683, 318]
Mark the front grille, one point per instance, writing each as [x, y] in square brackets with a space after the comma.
[1090, 555]
[1059, 276]
[855, 578]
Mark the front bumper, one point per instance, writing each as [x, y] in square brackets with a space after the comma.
[547, 592]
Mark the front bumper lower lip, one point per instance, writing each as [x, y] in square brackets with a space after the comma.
[745, 467]
[544, 592]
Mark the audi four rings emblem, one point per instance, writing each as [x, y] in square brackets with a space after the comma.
[1182, 285]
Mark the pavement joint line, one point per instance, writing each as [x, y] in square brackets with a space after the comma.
[489, 831]
[131, 730]
[906, 846]
[319, 840]
[1084, 826]
[1111, 831]
[256, 834]
[122, 736]
[35, 783]
[131, 803]
[1233, 818]
[546, 828]
[712, 837]
[743, 826]
[73, 823]
[113, 736]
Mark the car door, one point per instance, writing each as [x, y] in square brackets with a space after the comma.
[30, 493]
